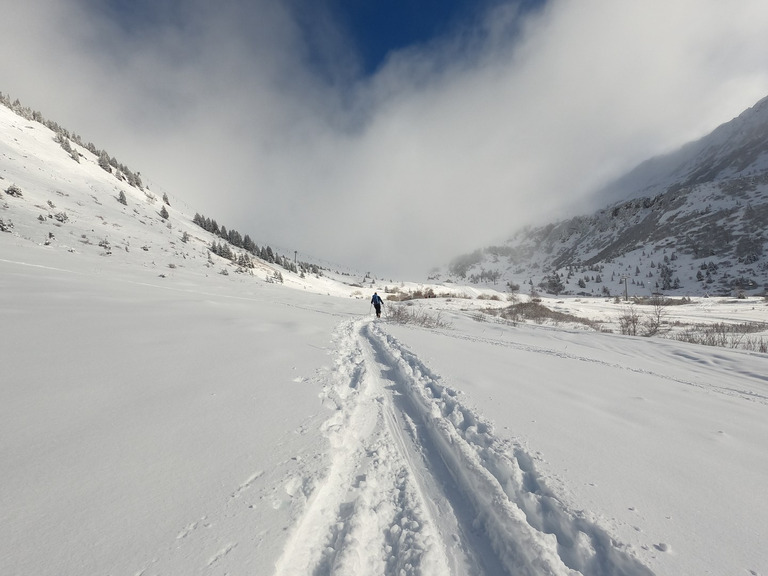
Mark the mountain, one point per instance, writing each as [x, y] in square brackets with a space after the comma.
[688, 223]
[737, 148]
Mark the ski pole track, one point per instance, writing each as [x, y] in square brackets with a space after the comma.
[418, 484]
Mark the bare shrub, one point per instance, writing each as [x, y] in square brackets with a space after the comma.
[400, 314]
[488, 297]
[756, 345]
[397, 295]
[654, 321]
[629, 321]
[725, 335]
[538, 313]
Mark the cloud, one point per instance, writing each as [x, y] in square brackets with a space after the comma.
[450, 146]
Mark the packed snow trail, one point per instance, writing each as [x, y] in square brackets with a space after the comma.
[419, 485]
[367, 516]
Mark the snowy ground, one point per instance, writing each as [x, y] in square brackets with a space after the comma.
[172, 420]
[236, 427]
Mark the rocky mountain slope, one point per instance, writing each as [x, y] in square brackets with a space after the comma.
[691, 223]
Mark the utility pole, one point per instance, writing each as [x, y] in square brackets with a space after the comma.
[625, 277]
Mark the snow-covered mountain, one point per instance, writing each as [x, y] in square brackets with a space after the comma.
[738, 148]
[690, 223]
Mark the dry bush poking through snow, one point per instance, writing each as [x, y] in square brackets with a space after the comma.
[406, 315]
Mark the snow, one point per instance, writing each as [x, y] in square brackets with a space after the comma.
[162, 419]
[665, 441]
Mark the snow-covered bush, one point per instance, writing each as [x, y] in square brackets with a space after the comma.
[276, 278]
[14, 191]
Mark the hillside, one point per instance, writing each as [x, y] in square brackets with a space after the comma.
[66, 198]
[691, 223]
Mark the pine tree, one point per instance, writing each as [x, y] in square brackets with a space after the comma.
[104, 161]
[249, 245]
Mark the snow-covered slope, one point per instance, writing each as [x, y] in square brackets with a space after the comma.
[74, 207]
[737, 148]
[159, 417]
[691, 223]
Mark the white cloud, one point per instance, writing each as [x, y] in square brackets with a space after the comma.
[448, 148]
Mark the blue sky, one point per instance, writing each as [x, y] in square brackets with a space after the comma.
[387, 135]
[372, 28]
[379, 27]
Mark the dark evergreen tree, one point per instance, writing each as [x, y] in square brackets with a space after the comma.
[552, 284]
[250, 245]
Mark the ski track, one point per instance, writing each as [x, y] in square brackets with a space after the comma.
[418, 484]
[750, 395]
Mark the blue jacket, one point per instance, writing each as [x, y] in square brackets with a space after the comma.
[376, 300]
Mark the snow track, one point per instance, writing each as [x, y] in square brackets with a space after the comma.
[419, 485]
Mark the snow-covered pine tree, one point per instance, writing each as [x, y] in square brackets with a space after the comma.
[104, 162]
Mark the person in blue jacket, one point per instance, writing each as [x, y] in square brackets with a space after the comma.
[377, 302]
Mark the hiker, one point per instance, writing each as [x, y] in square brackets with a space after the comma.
[377, 302]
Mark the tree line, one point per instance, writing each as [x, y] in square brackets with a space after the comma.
[244, 242]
